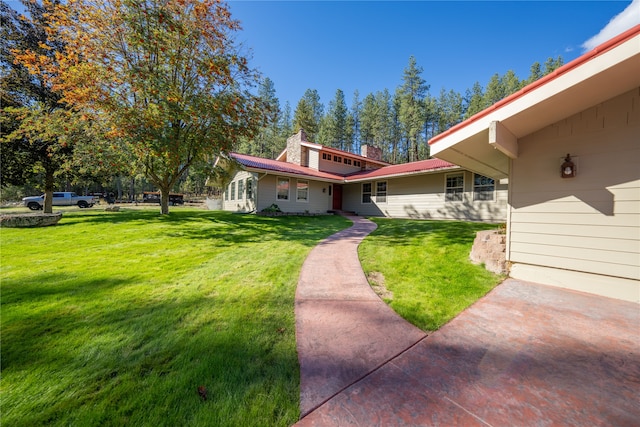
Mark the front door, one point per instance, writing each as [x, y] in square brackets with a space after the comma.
[337, 197]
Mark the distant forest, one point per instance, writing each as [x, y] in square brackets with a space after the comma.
[399, 122]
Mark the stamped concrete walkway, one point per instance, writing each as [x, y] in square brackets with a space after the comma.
[524, 355]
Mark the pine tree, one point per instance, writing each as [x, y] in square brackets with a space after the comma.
[412, 93]
[356, 109]
[333, 126]
[552, 64]
[303, 119]
[475, 100]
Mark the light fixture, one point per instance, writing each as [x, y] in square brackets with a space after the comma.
[568, 168]
[324, 190]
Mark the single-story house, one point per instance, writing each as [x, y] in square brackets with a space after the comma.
[308, 177]
[569, 145]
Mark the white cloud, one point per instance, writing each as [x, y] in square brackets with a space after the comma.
[628, 18]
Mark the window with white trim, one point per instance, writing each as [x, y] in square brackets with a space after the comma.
[250, 188]
[241, 189]
[381, 191]
[282, 188]
[302, 190]
[454, 187]
[227, 191]
[483, 187]
[232, 190]
[366, 192]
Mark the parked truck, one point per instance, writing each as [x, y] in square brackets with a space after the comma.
[60, 198]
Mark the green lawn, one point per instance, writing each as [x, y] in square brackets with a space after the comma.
[426, 269]
[116, 319]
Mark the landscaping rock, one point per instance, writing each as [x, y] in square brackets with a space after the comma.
[489, 247]
[29, 220]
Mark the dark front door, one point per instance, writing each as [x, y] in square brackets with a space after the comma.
[337, 197]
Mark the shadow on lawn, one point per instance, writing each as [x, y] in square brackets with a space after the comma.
[107, 350]
[224, 228]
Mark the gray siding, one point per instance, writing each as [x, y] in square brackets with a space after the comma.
[589, 223]
[423, 197]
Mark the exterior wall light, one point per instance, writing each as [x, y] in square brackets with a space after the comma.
[568, 168]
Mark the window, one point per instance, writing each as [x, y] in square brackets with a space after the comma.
[302, 190]
[381, 192]
[454, 187]
[356, 163]
[337, 159]
[366, 192]
[347, 161]
[483, 187]
[249, 188]
[282, 189]
[240, 190]
[226, 193]
[233, 191]
[326, 156]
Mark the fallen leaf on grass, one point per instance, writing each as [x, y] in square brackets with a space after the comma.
[202, 391]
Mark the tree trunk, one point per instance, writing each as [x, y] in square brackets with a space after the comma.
[48, 191]
[164, 200]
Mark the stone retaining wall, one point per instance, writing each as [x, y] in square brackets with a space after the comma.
[29, 220]
[489, 247]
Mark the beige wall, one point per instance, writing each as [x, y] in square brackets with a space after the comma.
[319, 201]
[422, 196]
[335, 167]
[240, 203]
[583, 232]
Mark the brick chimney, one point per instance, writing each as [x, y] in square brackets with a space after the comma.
[371, 152]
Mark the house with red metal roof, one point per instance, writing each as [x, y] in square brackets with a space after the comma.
[569, 145]
[308, 177]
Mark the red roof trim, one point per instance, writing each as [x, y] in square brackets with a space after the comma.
[599, 50]
[281, 167]
[405, 169]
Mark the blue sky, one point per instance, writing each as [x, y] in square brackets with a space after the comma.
[365, 45]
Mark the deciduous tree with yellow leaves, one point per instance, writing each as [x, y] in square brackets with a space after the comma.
[164, 74]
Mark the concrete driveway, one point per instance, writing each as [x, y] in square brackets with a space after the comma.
[523, 355]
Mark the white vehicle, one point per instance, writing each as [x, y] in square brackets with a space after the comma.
[60, 198]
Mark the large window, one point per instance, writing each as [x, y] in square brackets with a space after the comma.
[240, 190]
[302, 190]
[232, 190]
[366, 192]
[381, 191]
[282, 189]
[483, 187]
[226, 193]
[249, 188]
[454, 187]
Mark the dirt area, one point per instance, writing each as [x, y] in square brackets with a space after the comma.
[376, 280]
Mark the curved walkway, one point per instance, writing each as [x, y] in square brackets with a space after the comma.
[344, 330]
[525, 354]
